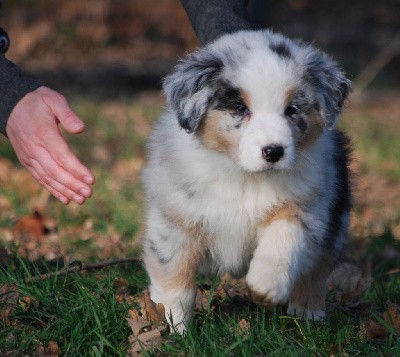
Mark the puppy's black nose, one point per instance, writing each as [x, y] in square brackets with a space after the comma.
[272, 153]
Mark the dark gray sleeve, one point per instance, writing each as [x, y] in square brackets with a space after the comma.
[13, 86]
[214, 18]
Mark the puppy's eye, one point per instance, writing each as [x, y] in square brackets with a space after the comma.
[291, 110]
[241, 112]
[246, 112]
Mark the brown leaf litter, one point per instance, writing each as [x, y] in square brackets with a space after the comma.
[148, 324]
[36, 236]
[10, 300]
[242, 328]
[377, 329]
[9, 296]
[226, 290]
[52, 350]
[347, 285]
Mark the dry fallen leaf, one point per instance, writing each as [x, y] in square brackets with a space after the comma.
[135, 314]
[35, 236]
[243, 327]
[25, 302]
[348, 283]
[120, 282]
[372, 330]
[137, 325]
[123, 295]
[8, 302]
[29, 227]
[392, 316]
[150, 310]
[228, 288]
[145, 341]
[148, 325]
[202, 299]
[151, 338]
[52, 350]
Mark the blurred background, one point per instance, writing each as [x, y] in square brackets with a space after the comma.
[109, 56]
[115, 45]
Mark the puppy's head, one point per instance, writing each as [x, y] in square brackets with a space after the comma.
[257, 97]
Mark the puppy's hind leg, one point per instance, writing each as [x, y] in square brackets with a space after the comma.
[307, 299]
[173, 284]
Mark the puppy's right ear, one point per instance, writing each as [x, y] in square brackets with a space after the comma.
[190, 88]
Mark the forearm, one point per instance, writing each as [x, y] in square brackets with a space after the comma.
[13, 87]
[214, 18]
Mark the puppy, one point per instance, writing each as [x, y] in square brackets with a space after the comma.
[257, 183]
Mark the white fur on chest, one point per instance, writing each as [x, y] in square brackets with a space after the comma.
[208, 189]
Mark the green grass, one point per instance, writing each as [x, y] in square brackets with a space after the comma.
[80, 311]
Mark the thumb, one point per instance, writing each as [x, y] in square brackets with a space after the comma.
[60, 108]
[70, 121]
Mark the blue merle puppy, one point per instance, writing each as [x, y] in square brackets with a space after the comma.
[257, 183]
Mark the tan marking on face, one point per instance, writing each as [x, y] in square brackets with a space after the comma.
[314, 129]
[212, 133]
[246, 98]
[217, 131]
[289, 96]
[289, 212]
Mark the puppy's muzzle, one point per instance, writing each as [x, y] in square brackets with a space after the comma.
[272, 153]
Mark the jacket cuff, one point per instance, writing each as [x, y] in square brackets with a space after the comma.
[13, 87]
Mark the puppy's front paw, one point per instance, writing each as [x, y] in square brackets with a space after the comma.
[269, 286]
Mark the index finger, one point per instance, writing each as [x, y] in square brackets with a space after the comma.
[65, 158]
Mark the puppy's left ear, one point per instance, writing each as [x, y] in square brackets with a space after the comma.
[330, 85]
[189, 89]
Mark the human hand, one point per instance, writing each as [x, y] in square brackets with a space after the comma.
[36, 138]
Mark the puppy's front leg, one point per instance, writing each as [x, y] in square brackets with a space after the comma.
[173, 284]
[280, 256]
